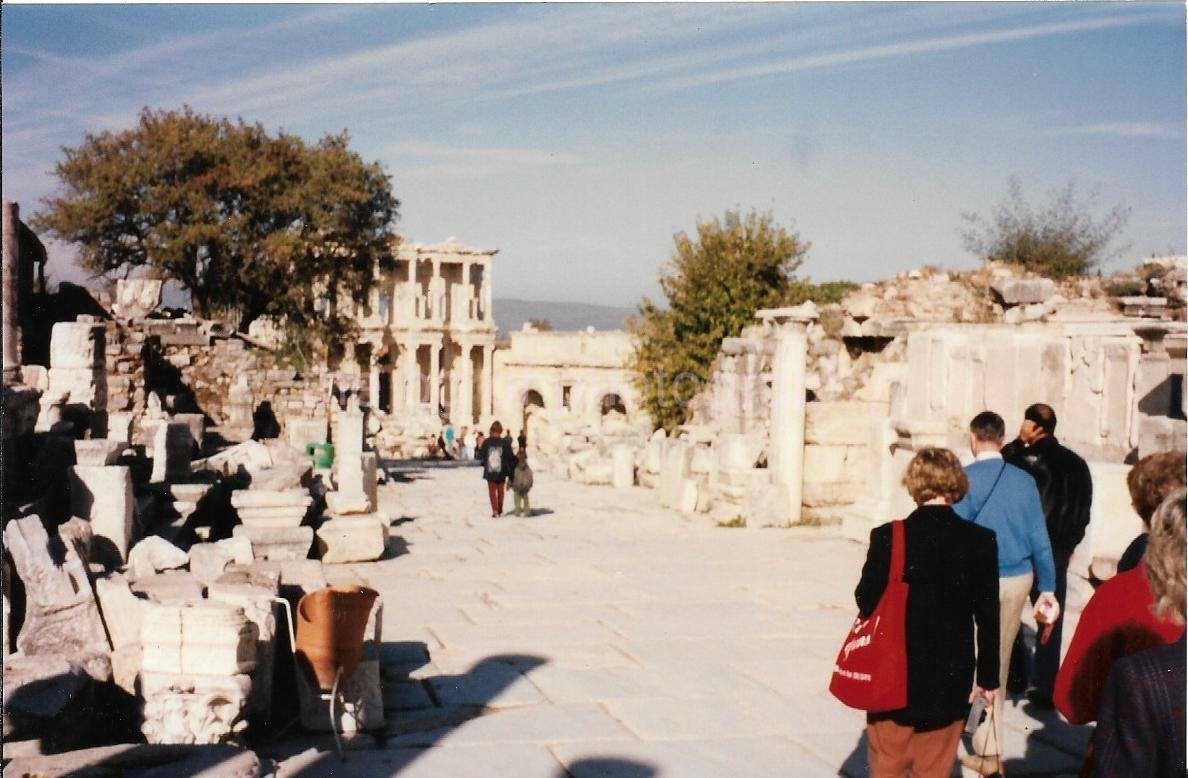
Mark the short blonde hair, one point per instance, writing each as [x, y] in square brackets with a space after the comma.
[1164, 561]
[935, 472]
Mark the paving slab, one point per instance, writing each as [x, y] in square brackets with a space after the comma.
[613, 637]
[534, 724]
[751, 757]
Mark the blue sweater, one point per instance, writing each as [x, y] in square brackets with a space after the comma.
[1016, 515]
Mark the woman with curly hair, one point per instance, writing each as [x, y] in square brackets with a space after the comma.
[951, 568]
[1140, 729]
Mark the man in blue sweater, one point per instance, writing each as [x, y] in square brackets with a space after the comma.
[1005, 499]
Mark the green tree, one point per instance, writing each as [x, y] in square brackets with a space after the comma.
[1063, 238]
[714, 282]
[259, 224]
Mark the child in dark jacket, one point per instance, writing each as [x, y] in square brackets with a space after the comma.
[522, 484]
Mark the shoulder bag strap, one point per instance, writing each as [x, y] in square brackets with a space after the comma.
[990, 493]
[895, 573]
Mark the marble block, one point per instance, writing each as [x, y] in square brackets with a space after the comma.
[172, 447]
[61, 614]
[103, 496]
[99, 451]
[183, 708]
[353, 538]
[154, 554]
[277, 543]
[204, 638]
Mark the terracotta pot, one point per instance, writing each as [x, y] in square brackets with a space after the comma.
[330, 628]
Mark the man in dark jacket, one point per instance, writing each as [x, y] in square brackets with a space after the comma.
[499, 462]
[1066, 493]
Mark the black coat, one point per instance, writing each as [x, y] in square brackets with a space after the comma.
[1065, 487]
[951, 568]
[508, 459]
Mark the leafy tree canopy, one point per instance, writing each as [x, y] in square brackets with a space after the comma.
[714, 282]
[249, 222]
[1061, 239]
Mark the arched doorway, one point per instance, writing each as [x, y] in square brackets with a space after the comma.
[533, 397]
[532, 400]
[612, 401]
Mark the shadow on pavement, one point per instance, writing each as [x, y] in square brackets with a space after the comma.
[608, 767]
[856, 764]
[409, 734]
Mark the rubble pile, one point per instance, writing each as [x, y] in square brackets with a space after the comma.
[155, 582]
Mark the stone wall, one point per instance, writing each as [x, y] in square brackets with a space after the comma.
[567, 374]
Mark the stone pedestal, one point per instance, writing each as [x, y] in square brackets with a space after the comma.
[98, 452]
[349, 427]
[197, 424]
[203, 638]
[173, 446]
[77, 375]
[356, 474]
[255, 594]
[674, 473]
[277, 543]
[302, 431]
[353, 538]
[103, 496]
[271, 509]
[623, 463]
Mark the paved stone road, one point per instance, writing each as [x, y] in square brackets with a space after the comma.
[606, 636]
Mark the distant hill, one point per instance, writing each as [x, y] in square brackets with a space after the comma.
[510, 315]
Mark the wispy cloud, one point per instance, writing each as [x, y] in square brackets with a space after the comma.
[1124, 130]
[851, 56]
[423, 159]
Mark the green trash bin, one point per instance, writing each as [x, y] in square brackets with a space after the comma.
[322, 453]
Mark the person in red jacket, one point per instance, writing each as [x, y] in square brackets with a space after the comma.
[1117, 620]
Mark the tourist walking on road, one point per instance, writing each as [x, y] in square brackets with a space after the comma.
[1066, 493]
[498, 464]
[1004, 499]
[951, 567]
[522, 484]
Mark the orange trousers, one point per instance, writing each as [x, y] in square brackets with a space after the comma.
[896, 751]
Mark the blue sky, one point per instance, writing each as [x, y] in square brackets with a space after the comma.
[577, 138]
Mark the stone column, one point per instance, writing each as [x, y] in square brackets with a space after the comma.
[463, 402]
[373, 381]
[11, 267]
[786, 458]
[469, 297]
[485, 379]
[434, 376]
[486, 291]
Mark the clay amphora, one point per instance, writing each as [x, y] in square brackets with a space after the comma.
[330, 628]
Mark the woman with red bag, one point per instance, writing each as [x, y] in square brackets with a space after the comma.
[951, 570]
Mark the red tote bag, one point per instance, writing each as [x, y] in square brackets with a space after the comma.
[871, 669]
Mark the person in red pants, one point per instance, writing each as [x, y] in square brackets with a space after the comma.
[498, 463]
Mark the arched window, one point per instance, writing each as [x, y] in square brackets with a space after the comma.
[532, 397]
